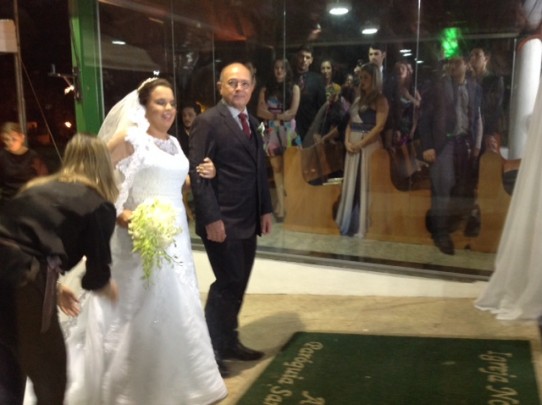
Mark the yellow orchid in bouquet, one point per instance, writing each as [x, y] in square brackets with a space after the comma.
[153, 229]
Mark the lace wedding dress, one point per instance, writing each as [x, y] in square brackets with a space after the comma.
[152, 347]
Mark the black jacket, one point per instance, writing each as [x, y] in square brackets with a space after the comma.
[68, 220]
[239, 194]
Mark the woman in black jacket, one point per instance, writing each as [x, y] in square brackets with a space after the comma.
[45, 230]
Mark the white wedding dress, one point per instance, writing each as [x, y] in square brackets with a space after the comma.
[515, 288]
[153, 346]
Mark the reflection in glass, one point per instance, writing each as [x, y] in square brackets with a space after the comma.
[190, 42]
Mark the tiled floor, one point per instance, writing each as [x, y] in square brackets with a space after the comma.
[268, 321]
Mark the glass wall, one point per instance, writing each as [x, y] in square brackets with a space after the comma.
[418, 42]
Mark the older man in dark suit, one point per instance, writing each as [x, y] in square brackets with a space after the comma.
[231, 209]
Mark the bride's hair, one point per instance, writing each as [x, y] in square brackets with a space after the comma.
[87, 161]
[146, 88]
[130, 111]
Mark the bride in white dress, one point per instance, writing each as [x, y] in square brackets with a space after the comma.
[515, 288]
[153, 346]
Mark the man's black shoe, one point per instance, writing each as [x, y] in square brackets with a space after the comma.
[445, 244]
[240, 352]
[223, 368]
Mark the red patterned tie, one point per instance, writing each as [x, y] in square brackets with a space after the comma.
[244, 123]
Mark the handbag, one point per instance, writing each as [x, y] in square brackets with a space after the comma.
[322, 159]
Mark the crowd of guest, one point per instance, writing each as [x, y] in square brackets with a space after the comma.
[437, 129]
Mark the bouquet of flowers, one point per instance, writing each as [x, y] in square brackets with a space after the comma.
[152, 228]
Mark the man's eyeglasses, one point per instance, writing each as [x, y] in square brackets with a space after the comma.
[234, 83]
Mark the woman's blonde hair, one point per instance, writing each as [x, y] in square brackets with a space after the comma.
[87, 161]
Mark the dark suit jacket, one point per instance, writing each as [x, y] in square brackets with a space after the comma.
[438, 117]
[239, 194]
[492, 102]
[313, 96]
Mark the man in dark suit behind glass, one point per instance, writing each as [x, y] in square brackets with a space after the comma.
[313, 90]
[231, 209]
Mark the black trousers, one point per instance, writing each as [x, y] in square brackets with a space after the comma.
[12, 378]
[232, 263]
[25, 351]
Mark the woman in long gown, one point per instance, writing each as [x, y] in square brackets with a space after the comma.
[153, 347]
[515, 288]
[368, 115]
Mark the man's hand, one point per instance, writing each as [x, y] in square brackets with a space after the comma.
[430, 155]
[266, 223]
[67, 301]
[216, 232]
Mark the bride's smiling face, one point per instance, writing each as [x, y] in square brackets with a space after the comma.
[161, 108]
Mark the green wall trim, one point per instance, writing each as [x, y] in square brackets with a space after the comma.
[87, 64]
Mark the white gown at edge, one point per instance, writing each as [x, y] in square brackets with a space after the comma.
[515, 288]
[153, 346]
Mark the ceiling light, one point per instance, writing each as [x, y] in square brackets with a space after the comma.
[369, 31]
[338, 7]
[370, 27]
[118, 42]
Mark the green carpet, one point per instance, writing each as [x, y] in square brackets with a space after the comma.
[343, 369]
